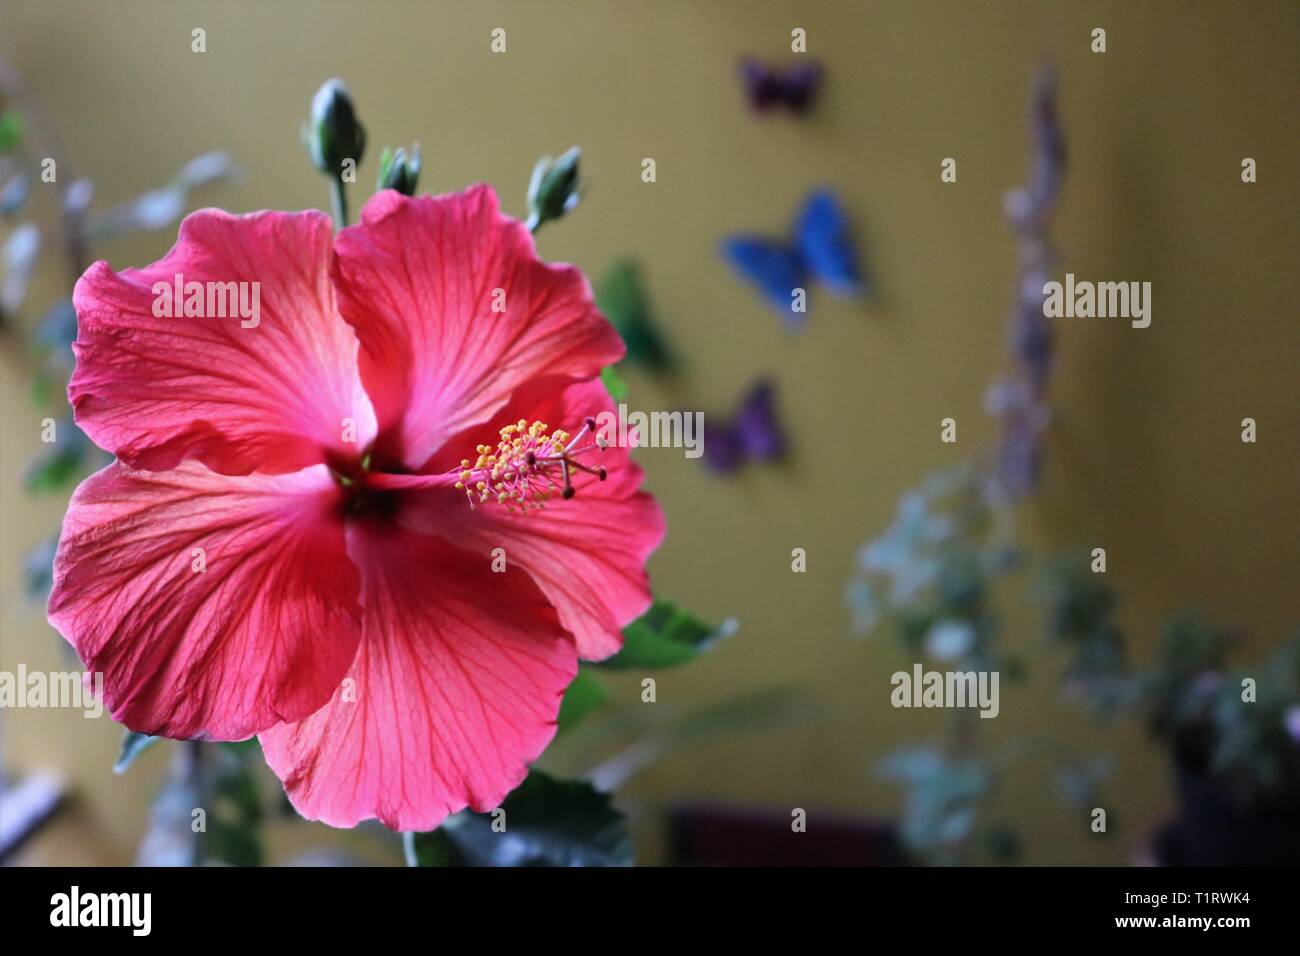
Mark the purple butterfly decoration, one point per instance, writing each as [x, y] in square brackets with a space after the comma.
[752, 434]
[793, 88]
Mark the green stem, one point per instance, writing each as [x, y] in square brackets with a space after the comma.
[194, 777]
[408, 848]
[962, 746]
[338, 192]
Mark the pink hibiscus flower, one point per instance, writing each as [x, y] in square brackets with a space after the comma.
[284, 546]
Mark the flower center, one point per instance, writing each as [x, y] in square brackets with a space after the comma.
[362, 498]
[529, 464]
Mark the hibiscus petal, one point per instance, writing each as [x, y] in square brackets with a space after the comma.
[587, 554]
[275, 396]
[455, 688]
[257, 627]
[419, 279]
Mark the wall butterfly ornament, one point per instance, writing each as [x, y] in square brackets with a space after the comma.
[820, 247]
[792, 88]
[751, 434]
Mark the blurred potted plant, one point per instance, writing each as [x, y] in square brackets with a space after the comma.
[1232, 732]
[932, 575]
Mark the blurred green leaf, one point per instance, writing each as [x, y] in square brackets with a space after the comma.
[60, 462]
[237, 787]
[241, 746]
[1079, 604]
[38, 569]
[768, 708]
[236, 813]
[666, 636]
[207, 169]
[1013, 668]
[232, 844]
[621, 296]
[155, 209]
[19, 256]
[14, 195]
[613, 383]
[133, 745]
[429, 849]
[1002, 843]
[56, 330]
[765, 709]
[1079, 782]
[160, 208]
[584, 695]
[547, 822]
[11, 130]
[42, 386]
[941, 796]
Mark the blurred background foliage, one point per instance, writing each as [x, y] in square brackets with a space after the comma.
[1142, 455]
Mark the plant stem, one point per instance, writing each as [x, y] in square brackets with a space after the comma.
[961, 748]
[195, 779]
[50, 146]
[338, 192]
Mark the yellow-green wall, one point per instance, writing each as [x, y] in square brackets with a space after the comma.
[1145, 458]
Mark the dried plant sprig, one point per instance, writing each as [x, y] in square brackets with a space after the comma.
[1019, 398]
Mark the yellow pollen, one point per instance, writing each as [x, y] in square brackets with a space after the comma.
[528, 465]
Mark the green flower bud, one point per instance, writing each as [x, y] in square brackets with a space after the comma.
[399, 170]
[335, 134]
[554, 188]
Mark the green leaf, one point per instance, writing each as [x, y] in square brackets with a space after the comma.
[236, 788]
[666, 636]
[56, 330]
[38, 570]
[770, 708]
[207, 169]
[160, 208]
[18, 258]
[14, 195]
[584, 695]
[232, 844]
[11, 130]
[241, 746]
[613, 383]
[621, 296]
[60, 463]
[235, 810]
[1003, 843]
[42, 387]
[133, 745]
[547, 822]
[1079, 782]
[429, 849]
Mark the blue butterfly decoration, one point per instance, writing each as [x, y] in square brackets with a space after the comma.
[821, 248]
